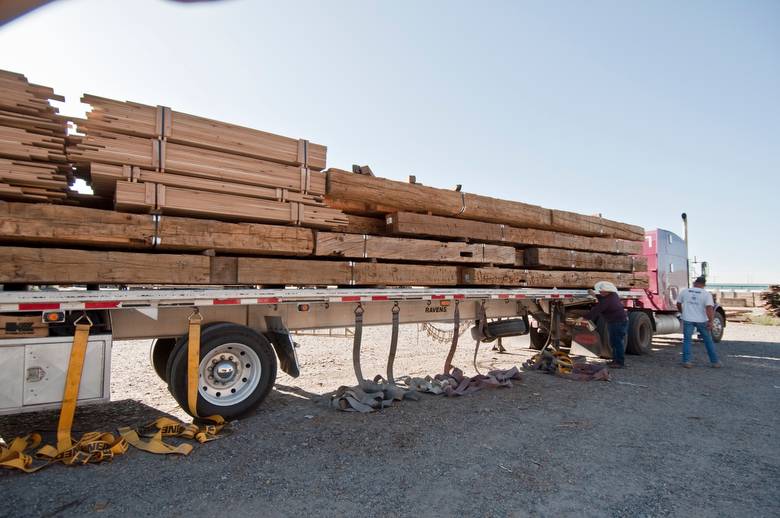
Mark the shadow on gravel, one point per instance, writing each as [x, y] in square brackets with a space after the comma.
[105, 417]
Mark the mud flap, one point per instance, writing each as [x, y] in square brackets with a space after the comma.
[284, 346]
[590, 340]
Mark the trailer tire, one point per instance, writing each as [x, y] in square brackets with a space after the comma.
[247, 360]
[640, 333]
[718, 327]
[159, 353]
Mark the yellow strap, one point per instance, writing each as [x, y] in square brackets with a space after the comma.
[153, 444]
[72, 381]
[193, 361]
[14, 456]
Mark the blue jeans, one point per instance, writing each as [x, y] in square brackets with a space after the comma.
[705, 334]
[617, 339]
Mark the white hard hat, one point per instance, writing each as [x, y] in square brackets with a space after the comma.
[605, 286]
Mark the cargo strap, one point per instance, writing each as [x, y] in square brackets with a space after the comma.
[92, 447]
[455, 335]
[96, 447]
[393, 344]
[356, 342]
[482, 317]
[150, 437]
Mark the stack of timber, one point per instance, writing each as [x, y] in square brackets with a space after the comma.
[153, 159]
[516, 243]
[184, 200]
[33, 165]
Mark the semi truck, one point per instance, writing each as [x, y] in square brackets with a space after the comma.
[247, 333]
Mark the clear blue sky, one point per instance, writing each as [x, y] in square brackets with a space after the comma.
[637, 110]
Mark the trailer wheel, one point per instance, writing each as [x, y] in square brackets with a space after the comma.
[159, 353]
[718, 326]
[640, 333]
[237, 370]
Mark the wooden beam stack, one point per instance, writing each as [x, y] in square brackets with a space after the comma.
[201, 202]
[33, 165]
[200, 167]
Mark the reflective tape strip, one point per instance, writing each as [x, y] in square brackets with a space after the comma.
[102, 305]
[39, 306]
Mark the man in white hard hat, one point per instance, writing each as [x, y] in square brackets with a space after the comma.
[698, 311]
[612, 311]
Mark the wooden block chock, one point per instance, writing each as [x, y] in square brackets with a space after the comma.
[362, 169]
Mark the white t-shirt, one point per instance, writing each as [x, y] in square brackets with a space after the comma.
[694, 301]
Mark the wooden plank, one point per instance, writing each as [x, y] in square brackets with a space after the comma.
[66, 266]
[387, 274]
[365, 225]
[64, 225]
[410, 224]
[188, 202]
[79, 226]
[346, 186]
[135, 197]
[331, 244]
[553, 258]
[298, 272]
[177, 233]
[548, 279]
[144, 121]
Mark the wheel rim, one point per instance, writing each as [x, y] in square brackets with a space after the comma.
[717, 327]
[228, 374]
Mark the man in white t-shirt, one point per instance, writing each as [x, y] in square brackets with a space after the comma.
[698, 310]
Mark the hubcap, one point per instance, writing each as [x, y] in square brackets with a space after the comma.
[228, 374]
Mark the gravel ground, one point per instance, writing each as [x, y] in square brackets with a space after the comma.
[658, 440]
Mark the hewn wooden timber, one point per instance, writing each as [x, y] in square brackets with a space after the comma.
[161, 122]
[553, 258]
[66, 266]
[292, 272]
[59, 225]
[411, 224]
[364, 225]
[346, 186]
[336, 244]
[548, 278]
[387, 274]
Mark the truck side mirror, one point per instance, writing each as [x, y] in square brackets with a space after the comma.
[705, 268]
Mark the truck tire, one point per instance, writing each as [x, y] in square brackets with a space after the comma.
[246, 364]
[718, 327]
[159, 353]
[640, 333]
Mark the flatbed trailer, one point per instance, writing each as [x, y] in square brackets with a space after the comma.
[246, 332]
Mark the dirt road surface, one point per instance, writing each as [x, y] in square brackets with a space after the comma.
[657, 440]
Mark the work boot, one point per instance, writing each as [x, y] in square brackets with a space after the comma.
[687, 365]
[616, 365]
[716, 365]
